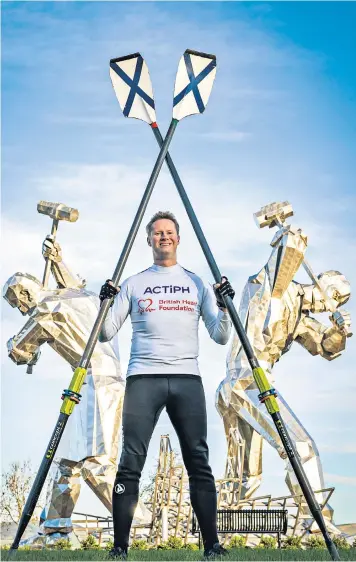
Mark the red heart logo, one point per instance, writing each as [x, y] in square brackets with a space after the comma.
[143, 306]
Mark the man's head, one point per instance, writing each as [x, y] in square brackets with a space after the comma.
[163, 236]
[22, 291]
[336, 286]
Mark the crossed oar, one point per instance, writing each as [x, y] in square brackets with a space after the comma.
[132, 85]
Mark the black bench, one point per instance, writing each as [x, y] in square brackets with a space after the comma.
[264, 521]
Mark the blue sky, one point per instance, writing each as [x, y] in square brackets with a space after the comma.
[280, 125]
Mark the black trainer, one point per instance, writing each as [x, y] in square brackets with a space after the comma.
[118, 553]
[216, 550]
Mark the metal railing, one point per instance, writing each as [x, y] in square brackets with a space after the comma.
[258, 521]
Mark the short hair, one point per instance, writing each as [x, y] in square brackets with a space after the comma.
[162, 215]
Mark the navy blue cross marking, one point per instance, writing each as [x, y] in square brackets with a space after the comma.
[133, 84]
[193, 82]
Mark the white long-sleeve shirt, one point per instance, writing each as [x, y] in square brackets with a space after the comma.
[165, 304]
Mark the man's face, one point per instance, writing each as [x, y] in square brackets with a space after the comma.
[163, 239]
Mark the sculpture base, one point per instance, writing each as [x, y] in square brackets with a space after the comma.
[40, 540]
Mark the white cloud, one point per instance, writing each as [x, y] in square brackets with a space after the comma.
[339, 448]
[340, 479]
[107, 197]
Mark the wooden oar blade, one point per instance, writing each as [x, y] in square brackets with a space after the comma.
[194, 82]
[132, 85]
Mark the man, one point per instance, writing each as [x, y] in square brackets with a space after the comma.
[63, 318]
[165, 303]
[275, 311]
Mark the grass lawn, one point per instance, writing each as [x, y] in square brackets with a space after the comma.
[234, 554]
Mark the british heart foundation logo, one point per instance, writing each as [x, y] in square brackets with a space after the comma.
[144, 305]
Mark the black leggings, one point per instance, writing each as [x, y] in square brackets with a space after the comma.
[184, 399]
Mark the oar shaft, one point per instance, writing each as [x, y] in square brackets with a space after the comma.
[84, 362]
[280, 426]
[304, 483]
[40, 479]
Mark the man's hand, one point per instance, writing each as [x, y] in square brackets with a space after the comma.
[223, 289]
[51, 249]
[342, 321]
[108, 291]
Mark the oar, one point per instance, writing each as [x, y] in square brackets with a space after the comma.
[196, 91]
[136, 82]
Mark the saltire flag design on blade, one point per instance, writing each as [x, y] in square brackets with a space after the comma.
[194, 82]
[132, 84]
